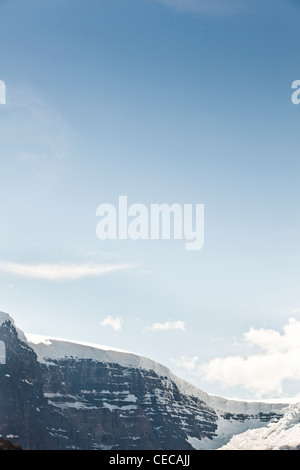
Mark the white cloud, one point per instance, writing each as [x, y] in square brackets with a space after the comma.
[168, 325]
[216, 7]
[186, 362]
[114, 323]
[265, 372]
[59, 272]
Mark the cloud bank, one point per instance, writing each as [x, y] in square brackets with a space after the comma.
[59, 272]
[263, 373]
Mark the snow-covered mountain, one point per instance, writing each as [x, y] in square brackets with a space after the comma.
[58, 394]
[281, 435]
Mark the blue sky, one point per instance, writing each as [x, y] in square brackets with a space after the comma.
[163, 101]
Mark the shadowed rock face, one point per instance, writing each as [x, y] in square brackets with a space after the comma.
[23, 407]
[87, 404]
[126, 408]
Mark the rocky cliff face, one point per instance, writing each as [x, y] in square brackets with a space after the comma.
[22, 403]
[124, 408]
[51, 398]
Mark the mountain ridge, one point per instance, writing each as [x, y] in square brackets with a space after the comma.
[128, 401]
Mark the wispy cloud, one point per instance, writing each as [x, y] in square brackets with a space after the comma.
[168, 325]
[185, 362]
[44, 137]
[295, 311]
[263, 373]
[215, 7]
[114, 322]
[59, 272]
